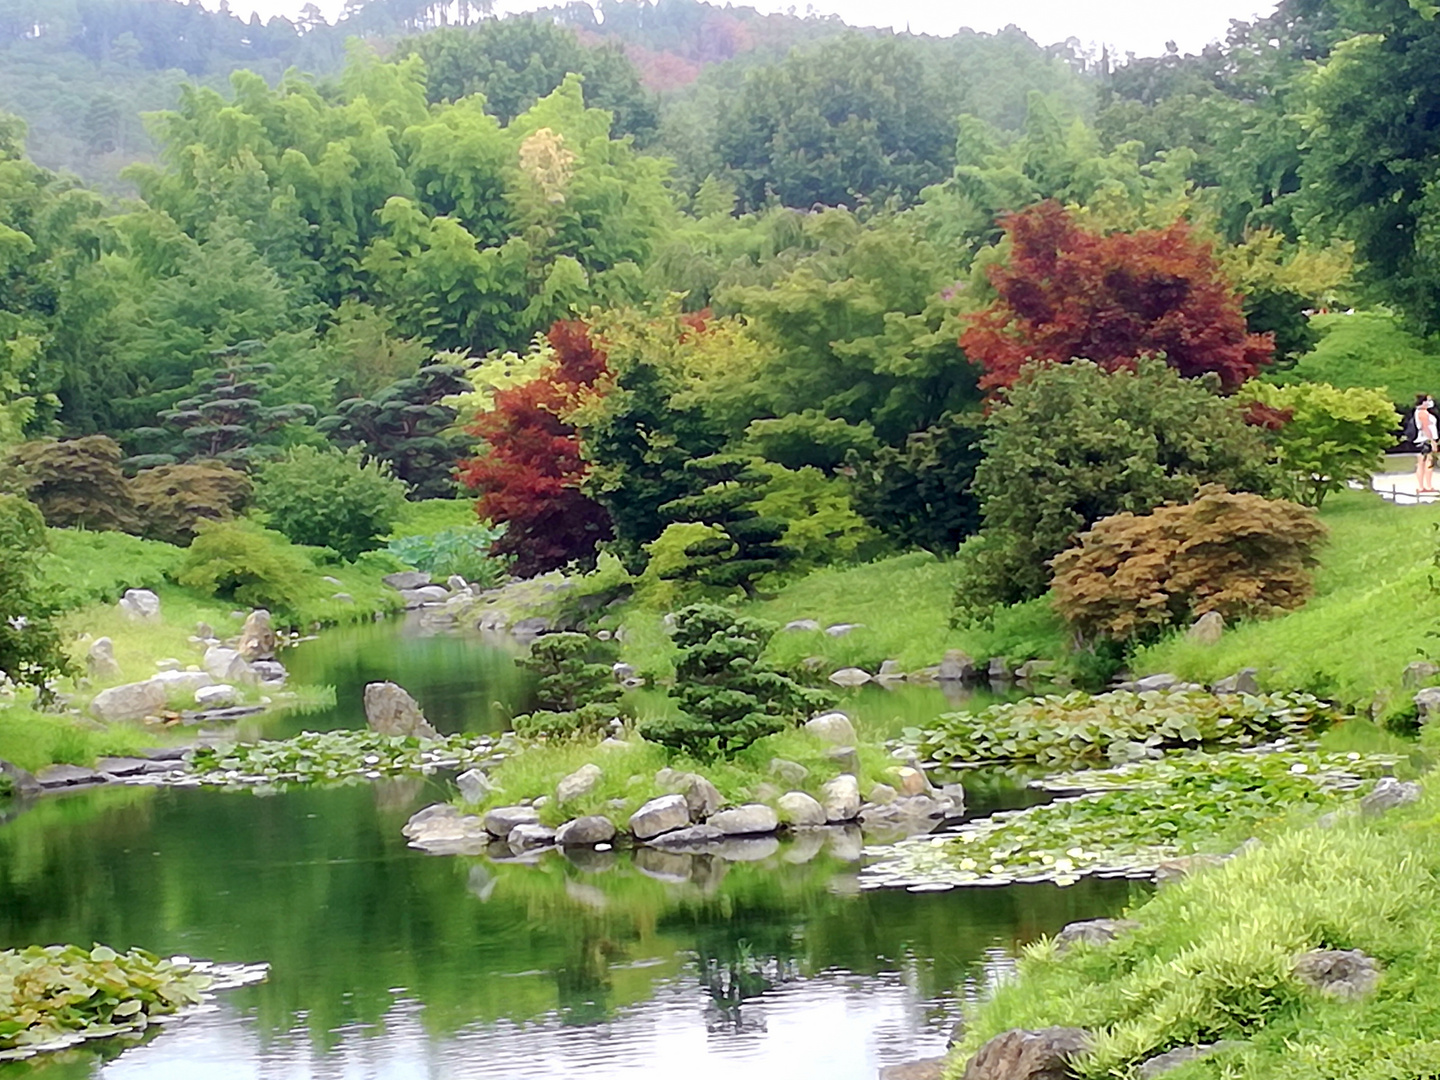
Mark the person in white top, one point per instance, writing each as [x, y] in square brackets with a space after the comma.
[1426, 435]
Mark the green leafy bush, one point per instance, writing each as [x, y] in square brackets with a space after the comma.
[728, 696]
[31, 648]
[242, 562]
[463, 550]
[577, 692]
[818, 512]
[1132, 576]
[1073, 444]
[50, 992]
[1332, 436]
[326, 498]
[170, 499]
[84, 567]
[1086, 727]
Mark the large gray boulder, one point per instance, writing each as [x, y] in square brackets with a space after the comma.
[579, 783]
[1208, 629]
[217, 696]
[1242, 682]
[662, 815]
[529, 837]
[503, 820]
[585, 831]
[391, 711]
[701, 796]
[130, 701]
[833, 727]
[406, 579]
[228, 665]
[257, 637]
[1018, 1054]
[850, 676]
[1427, 704]
[956, 667]
[474, 786]
[442, 827]
[800, 810]
[748, 820]
[181, 683]
[1387, 794]
[100, 659]
[1347, 974]
[691, 838]
[140, 605]
[841, 799]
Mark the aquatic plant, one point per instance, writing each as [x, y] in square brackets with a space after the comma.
[1130, 820]
[1080, 727]
[333, 755]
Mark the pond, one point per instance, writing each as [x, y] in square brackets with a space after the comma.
[388, 963]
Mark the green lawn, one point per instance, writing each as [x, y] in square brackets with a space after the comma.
[1369, 348]
[1374, 612]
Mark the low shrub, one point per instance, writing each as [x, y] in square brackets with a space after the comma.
[577, 692]
[1133, 576]
[1089, 727]
[78, 482]
[83, 567]
[171, 499]
[463, 550]
[242, 562]
[325, 498]
[31, 648]
[727, 695]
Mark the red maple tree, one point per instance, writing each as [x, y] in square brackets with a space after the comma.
[1068, 293]
[530, 471]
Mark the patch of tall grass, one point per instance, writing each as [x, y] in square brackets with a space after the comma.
[33, 739]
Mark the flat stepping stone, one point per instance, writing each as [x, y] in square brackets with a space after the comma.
[66, 775]
[122, 766]
[165, 753]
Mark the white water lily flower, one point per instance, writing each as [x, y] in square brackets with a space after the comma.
[997, 869]
[967, 864]
[1299, 767]
[1076, 853]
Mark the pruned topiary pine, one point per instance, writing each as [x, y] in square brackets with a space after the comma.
[728, 695]
[577, 693]
[1133, 576]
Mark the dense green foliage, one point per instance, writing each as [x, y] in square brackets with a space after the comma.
[319, 756]
[460, 549]
[577, 692]
[31, 648]
[171, 499]
[728, 695]
[247, 564]
[325, 498]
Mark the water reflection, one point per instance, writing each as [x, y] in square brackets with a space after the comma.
[390, 963]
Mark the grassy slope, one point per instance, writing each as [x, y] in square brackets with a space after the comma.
[1369, 348]
[1373, 613]
[1213, 959]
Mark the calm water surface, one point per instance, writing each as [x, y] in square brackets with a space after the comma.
[388, 963]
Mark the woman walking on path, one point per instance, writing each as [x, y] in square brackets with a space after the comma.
[1426, 434]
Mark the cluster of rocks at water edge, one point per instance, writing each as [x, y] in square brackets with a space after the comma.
[692, 817]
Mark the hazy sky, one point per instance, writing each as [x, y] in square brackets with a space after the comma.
[1140, 26]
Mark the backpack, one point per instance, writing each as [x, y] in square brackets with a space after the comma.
[1412, 430]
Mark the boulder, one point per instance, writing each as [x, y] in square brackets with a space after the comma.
[789, 772]
[800, 810]
[391, 711]
[503, 820]
[257, 637]
[1417, 673]
[217, 696]
[1018, 1054]
[443, 829]
[833, 727]
[695, 836]
[456, 583]
[181, 682]
[910, 814]
[1387, 794]
[882, 794]
[141, 605]
[911, 781]
[845, 758]
[1347, 974]
[841, 629]
[580, 782]
[406, 579]
[850, 676]
[622, 671]
[998, 669]
[662, 815]
[167, 663]
[54, 776]
[956, 667]
[1161, 1064]
[1427, 704]
[204, 631]
[841, 799]
[531, 628]
[585, 831]
[18, 780]
[100, 660]
[1242, 682]
[702, 798]
[474, 785]
[751, 819]
[1093, 932]
[1208, 629]
[1162, 681]
[271, 673]
[529, 837]
[1172, 870]
[1032, 670]
[932, 1068]
[130, 701]
[228, 665]
[426, 594]
[801, 626]
[890, 671]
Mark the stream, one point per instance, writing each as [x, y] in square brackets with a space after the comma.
[387, 963]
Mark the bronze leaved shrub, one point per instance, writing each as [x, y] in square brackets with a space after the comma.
[1132, 576]
[172, 499]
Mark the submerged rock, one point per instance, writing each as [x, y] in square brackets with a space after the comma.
[932, 1068]
[662, 815]
[1018, 1054]
[391, 711]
